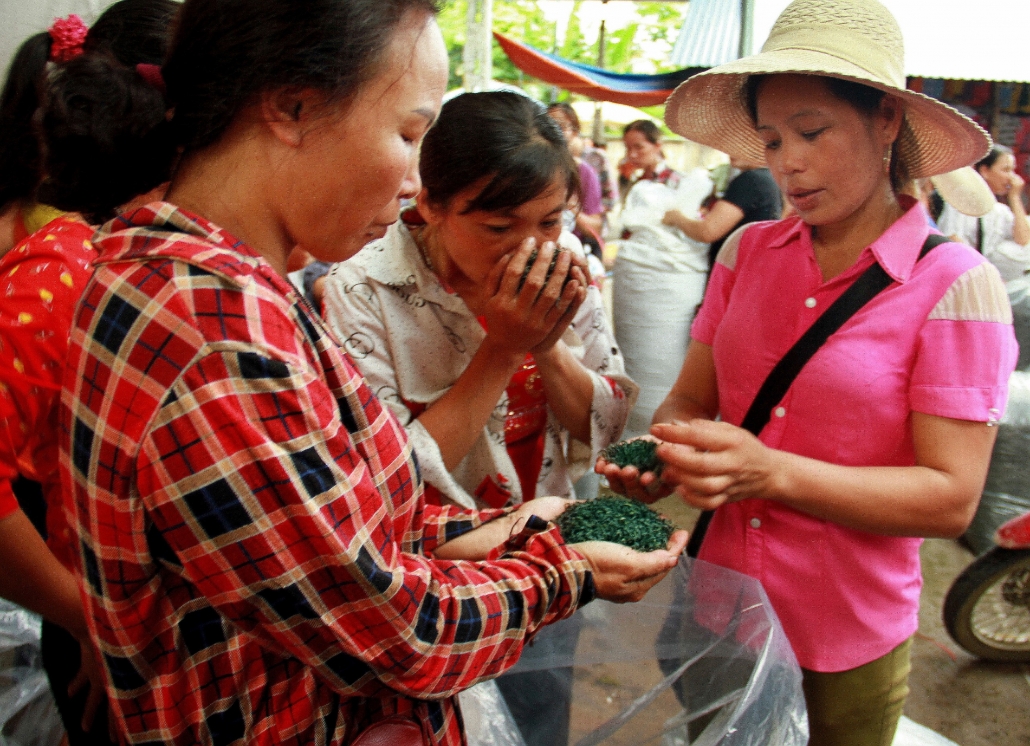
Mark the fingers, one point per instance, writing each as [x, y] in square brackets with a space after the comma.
[94, 702]
[512, 266]
[678, 542]
[80, 681]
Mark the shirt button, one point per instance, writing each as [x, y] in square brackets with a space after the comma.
[755, 523]
[810, 302]
[780, 411]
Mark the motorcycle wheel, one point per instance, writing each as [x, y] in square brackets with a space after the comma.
[987, 609]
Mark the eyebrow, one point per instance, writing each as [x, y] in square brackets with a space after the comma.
[792, 117]
[429, 114]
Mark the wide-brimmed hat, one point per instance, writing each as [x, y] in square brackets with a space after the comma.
[966, 191]
[856, 40]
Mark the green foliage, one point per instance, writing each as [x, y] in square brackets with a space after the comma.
[524, 20]
[617, 519]
[661, 22]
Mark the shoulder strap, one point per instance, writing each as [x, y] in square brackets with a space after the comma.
[864, 289]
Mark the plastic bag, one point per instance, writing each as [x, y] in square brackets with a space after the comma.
[701, 660]
[28, 715]
[488, 721]
[1006, 494]
[1019, 298]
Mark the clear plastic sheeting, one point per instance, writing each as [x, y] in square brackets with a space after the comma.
[702, 660]
[28, 716]
[1006, 494]
[488, 722]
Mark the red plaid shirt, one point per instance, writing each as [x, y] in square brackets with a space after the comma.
[252, 530]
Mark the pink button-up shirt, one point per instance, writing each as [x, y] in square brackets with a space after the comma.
[938, 341]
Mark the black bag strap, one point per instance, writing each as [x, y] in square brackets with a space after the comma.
[871, 282]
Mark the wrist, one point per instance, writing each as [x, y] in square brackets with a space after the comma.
[501, 354]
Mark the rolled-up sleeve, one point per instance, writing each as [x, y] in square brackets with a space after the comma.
[967, 349]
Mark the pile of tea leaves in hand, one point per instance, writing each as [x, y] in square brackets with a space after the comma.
[532, 260]
[641, 453]
[616, 519]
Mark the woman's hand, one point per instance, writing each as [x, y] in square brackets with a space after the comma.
[479, 542]
[675, 218]
[629, 481]
[710, 463]
[536, 315]
[1016, 184]
[622, 574]
[91, 677]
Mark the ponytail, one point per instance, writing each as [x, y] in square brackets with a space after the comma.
[19, 148]
[104, 127]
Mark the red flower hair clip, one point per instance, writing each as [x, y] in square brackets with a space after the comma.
[67, 35]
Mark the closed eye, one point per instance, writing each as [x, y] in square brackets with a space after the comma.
[812, 134]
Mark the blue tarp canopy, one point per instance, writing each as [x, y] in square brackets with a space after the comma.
[593, 82]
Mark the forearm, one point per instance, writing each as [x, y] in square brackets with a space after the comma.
[695, 394]
[692, 228]
[456, 419]
[711, 463]
[1020, 226]
[33, 578]
[896, 501]
[569, 388]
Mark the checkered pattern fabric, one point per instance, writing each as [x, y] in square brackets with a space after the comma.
[250, 519]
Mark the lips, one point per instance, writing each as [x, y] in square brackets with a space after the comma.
[804, 199]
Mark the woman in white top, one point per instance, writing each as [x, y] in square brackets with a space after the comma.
[505, 393]
[660, 273]
[1002, 235]
[508, 388]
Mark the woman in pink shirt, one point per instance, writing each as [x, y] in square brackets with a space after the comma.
[885, 434]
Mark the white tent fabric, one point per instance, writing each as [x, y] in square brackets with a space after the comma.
[23, 18]
[955, 39]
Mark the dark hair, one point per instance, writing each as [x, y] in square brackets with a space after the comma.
[104, 128]
[865, 99]
[570, 113]
[19, 148]
[645, 127]
[226, 52]
[506, 136]
[996, 152]
[222, 55]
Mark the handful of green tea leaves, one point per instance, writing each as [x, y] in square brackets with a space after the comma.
[532, 260]
[616, 519]
[641, 453]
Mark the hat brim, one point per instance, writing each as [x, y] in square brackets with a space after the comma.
[966, 191]
[709, 108]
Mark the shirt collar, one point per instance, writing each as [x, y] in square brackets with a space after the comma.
[406, 268]
[896, 250]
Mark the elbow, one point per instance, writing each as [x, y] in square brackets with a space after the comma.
[951, 523]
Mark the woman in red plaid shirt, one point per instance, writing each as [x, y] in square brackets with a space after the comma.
[258, 562]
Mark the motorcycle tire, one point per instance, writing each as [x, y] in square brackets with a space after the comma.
[987, 609]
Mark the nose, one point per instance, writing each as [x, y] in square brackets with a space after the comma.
[788, 159]
[411, 184]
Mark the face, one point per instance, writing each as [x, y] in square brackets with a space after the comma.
[353, 168]
[564, 123]
[826, 156]
[999, 175]
[474, 242]
[641, 152]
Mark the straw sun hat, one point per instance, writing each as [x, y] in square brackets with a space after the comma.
[856, 40]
